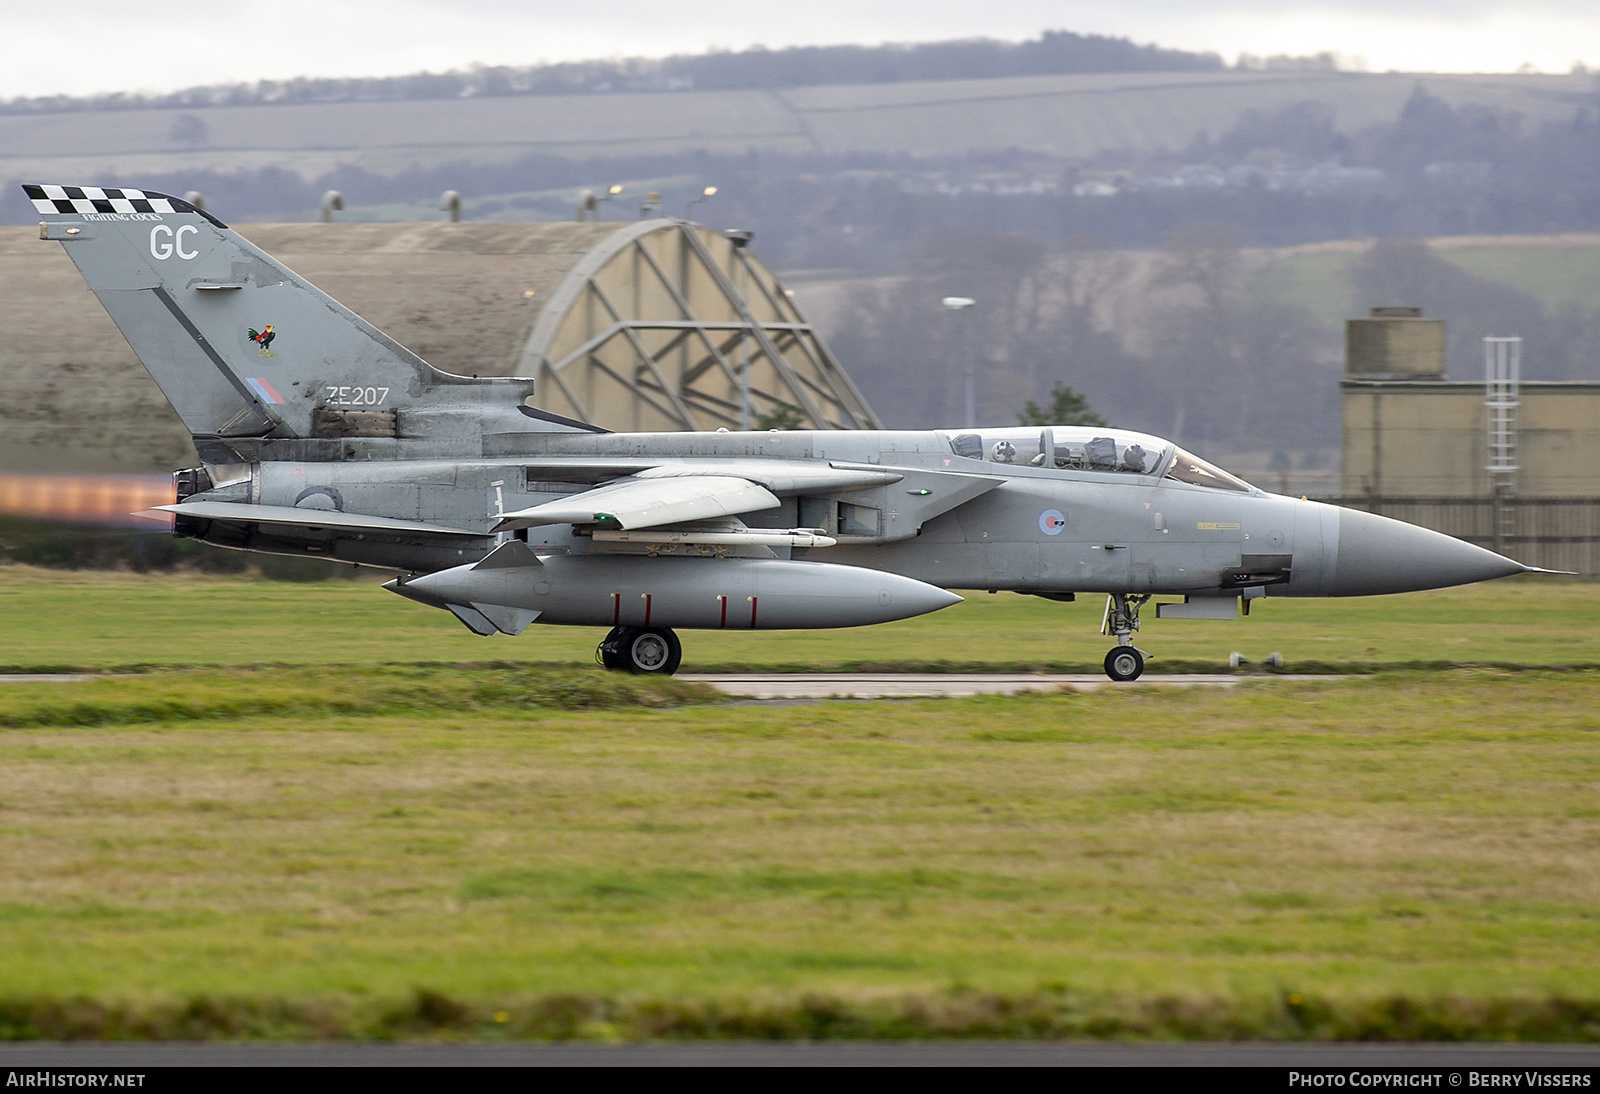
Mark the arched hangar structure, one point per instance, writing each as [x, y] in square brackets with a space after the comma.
[668, 325]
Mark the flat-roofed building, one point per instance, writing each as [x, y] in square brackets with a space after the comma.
[1418, 446]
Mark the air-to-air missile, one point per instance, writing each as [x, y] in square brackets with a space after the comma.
[345, 445]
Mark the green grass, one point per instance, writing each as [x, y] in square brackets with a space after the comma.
[1318, 282]
[96, 621]
[419, 691]
[1091, 858]
[1555, 276]
[357, 838]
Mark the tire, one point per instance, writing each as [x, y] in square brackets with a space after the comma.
[650, 651]
[609, 652]
[1124, 663]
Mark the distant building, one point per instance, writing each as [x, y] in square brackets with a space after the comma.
[1416, 446]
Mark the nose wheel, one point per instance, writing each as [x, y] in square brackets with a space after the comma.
[1126, 662]
[644, 651]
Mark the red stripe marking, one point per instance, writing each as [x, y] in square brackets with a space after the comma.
[724, 623]
[752, 613]
[272, 393]
[646, 608]
[616, 609]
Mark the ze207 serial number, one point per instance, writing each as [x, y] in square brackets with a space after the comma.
[356, 396]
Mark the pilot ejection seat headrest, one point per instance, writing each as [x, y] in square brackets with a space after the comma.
[1101, 454]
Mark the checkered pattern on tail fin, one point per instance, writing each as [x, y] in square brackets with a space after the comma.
[96, 199]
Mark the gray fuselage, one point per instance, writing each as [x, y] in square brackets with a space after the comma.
[949, 521]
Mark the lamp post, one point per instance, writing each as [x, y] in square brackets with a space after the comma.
[740, 238]
[588, 202]
[705, 195]
[954, 305]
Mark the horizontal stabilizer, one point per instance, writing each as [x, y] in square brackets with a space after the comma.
[648, 503]
[244, 513]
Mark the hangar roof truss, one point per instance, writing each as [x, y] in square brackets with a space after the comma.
[668, 325]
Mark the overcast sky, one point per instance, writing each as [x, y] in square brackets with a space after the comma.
[109, 45]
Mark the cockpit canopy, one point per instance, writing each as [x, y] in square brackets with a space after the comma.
[1091, 448]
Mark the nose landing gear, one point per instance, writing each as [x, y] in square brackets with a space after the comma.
[1126, 662]
[644, 651]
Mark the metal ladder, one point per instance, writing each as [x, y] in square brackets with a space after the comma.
[1502, 384]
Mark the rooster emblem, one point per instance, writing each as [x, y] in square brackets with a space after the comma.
[263, 338]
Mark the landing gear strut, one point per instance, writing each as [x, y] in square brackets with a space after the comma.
[1126, 662]
[645, 651]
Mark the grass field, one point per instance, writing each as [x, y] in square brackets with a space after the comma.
[62, 621]
[335, 846]
[1555, 275]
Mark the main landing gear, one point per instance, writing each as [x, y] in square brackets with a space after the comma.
[1126, 662]
[646, 651]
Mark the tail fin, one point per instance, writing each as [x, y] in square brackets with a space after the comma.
[240, 345]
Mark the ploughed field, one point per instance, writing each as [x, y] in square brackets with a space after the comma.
[321, 835]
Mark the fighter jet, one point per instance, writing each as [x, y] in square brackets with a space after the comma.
[340, 443]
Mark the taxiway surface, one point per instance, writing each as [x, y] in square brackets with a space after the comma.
[910, 685]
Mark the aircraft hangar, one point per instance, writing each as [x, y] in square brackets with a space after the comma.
[654, 325]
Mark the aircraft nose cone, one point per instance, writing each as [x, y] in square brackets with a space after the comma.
[1379, 555]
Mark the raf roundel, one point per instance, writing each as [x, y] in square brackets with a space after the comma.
[1051, 522]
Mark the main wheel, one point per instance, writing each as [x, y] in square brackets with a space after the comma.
[1124, 663]
[651, 651]
[609, 652]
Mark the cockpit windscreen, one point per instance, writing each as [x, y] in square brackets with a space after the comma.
[1192, 469]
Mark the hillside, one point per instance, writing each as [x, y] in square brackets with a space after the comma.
[1556, 270]
[1061, 117]
[1117, 325]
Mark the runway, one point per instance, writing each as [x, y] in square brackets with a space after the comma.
[931, 685]
[869, 685]
[802, 1054]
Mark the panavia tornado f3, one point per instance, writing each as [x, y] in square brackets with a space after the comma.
[319, 435]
